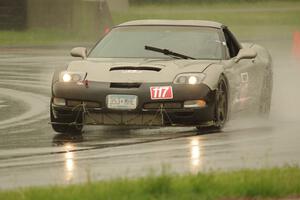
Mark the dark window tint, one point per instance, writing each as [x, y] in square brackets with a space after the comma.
[232, 44]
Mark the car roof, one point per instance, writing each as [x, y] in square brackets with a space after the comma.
[201, 23]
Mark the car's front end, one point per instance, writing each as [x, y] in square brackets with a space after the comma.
[184, 100]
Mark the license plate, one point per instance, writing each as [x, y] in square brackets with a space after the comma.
[121, 102]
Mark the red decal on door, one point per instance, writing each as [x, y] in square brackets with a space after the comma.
[161, 92]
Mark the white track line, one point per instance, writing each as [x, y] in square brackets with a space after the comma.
[43, 87]
[22, 82]
[2, 104]
[38, 107]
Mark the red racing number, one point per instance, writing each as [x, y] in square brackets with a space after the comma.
[161, 92]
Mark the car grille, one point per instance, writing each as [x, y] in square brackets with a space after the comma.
[125, 85]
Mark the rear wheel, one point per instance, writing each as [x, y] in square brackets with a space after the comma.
[66, 125]
[221, 108]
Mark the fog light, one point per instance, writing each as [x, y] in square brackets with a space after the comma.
[195, 104]
[59, 101]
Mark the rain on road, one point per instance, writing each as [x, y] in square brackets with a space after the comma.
[32, 154]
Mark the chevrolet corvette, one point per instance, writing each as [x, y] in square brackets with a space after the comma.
[162, 73]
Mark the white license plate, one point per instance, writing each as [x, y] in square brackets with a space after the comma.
[121, 102]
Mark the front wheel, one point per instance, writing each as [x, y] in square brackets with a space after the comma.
[62, 125]
[221, 107]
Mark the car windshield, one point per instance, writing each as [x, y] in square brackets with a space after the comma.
[130, 42]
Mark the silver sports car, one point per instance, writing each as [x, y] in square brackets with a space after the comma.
[162, 73]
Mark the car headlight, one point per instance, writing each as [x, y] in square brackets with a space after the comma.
[189, 78]
[66, 76]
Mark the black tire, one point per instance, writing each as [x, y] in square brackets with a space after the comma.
[221, 108]
[264, 105]
[67, 127]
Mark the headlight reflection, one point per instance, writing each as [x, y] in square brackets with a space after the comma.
[195, 155]
[69, 162]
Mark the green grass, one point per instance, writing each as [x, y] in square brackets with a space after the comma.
[249, 20]
[263, 183]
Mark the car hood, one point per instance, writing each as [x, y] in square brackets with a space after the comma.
[137, 70]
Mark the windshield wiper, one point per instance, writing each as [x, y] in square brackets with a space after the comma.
[168, 52]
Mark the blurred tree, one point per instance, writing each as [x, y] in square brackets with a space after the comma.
[188, 1]
[80, 16]
[13, 14]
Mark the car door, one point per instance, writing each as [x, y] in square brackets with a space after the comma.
[244, 76]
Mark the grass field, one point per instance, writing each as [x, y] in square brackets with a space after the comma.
[249, 20]
[245, 184]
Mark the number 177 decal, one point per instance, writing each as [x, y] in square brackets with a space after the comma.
[161, 92]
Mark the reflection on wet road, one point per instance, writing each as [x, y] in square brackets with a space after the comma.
[32, 154]
[69, 162]
[195, 151]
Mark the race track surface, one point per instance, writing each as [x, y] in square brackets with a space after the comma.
[32, 154]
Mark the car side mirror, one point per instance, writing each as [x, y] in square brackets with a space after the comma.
[245, 53]
[79, 52]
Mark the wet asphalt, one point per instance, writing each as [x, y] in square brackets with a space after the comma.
[32, 154]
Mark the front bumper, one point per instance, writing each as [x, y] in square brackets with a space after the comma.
[143, 115]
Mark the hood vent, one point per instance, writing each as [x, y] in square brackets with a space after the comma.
[129, 68]
[125, 85]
